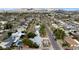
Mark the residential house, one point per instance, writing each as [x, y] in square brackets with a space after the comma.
[14, 38]
[72, 43]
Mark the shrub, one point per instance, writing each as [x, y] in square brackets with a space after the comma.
[31, 35]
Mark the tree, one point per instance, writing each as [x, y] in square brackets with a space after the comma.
[31, 35]
[64, 44]
[1, 48]
[9, 34]
[42, 30]
[8, 26]
[59, 33]
[30, 43]
[24, 31]
[37, 24]
[22, 36]
[35, 45]
[70, 33]
[27, 42]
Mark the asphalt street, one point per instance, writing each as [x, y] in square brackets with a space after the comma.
[51, 37]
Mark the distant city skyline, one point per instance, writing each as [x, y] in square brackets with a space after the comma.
[67, 9]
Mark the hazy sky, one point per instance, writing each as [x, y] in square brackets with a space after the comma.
[7, 8]
[71, 9]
